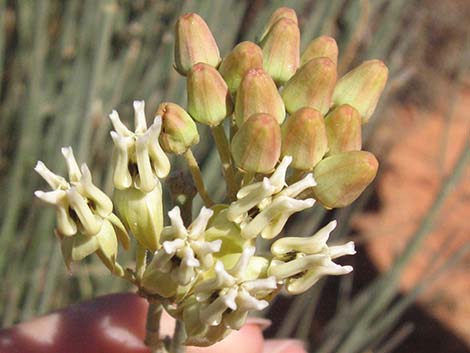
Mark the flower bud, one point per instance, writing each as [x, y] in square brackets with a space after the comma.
[343, 128]
[142, 214]
[258, 93]
[321, 47]
[362, 87]
[179, 132]
[281, 48]
[256, 146]
[280, 13]
[194, 43]
[209, 99]
[342, 177]
[311, 86]
[245, 56]
[304, 138]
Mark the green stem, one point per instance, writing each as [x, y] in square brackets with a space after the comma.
[248, 178]
[141, 262]
[197, 177]
[179, 336]
[152, 336]
[225, 157]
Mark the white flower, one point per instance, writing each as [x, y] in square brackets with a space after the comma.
[138, 159]
[85, 222]
[273, 201]
[184, 251]
[300, 262]
[231, 294]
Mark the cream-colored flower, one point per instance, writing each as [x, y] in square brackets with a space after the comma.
[85, 222]
[273, 202]
[139, 161]
[183, 254]
[300, 262]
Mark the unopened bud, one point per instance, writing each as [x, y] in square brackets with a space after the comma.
[245, 56]
[142, 214]
[362, 87]
[321, 47]
[258, 94]
[194, 43]
[342, 177]
[179, 132]
[280, 13]
[256, 146]
[209, 99]
[343, 128]
[281, 50]
[304, 138]
[311, 86]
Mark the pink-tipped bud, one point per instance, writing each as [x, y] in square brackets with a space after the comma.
[343, 128]
[362, 87]
[209, 99]
[245, 56]
[194, 43]
[304, 138]
[321, 47]
[256, 146]
[281, 50]
[282, 12]
[311, 86]
[258, 94]
[342, 177]
[179, 132]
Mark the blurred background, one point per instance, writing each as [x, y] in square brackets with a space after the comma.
[64, 65]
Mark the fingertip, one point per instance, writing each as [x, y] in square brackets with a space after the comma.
[284, 346]
[249, 339]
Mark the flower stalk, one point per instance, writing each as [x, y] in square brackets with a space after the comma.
[197, 177]
[223, 147]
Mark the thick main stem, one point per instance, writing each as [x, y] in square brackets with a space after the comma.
[197, 177]
[225, 157]
[152, 337]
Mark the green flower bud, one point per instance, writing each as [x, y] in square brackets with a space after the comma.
[245, 56]
[343, 128]
[342, 177]
[179, 132]
[142, 214]
[321, 47]
[256, 146]
[304, 138]
[209, 99]
[258, 93]
[362, 87]
[281, 48]
[311, 86]
[280, 13]
[194, 43]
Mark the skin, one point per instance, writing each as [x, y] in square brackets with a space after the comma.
[116, 324]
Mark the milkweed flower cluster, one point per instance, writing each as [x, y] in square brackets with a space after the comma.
[295, 140]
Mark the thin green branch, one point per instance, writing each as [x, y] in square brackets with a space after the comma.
[226, 159]
[197, 177]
